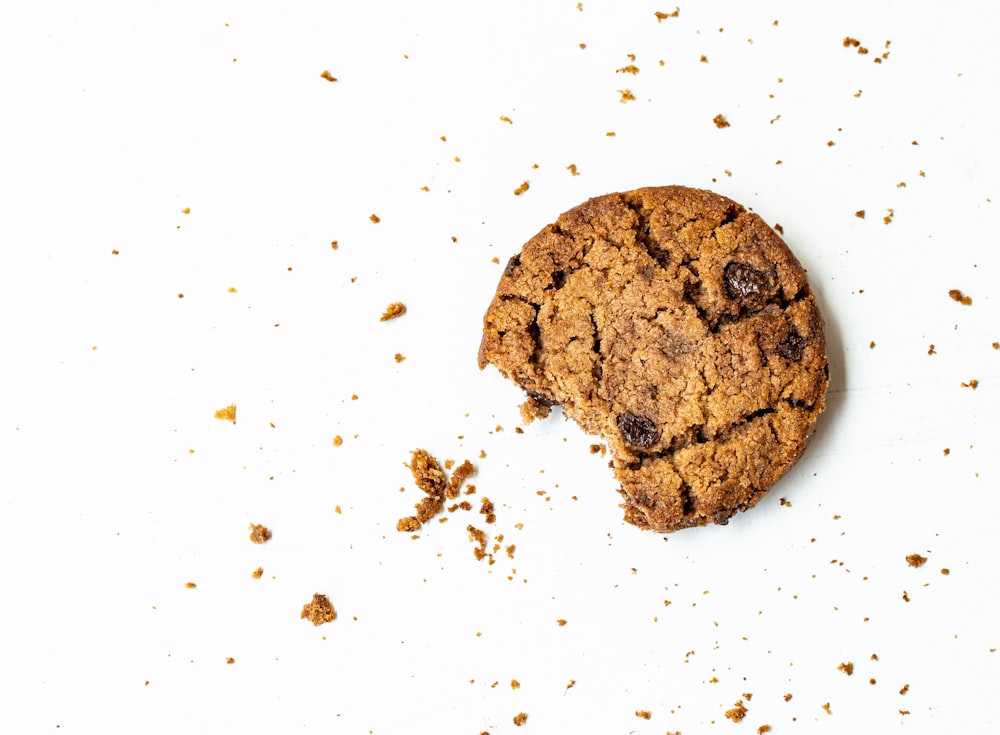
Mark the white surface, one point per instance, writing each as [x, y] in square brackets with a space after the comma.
[118, 485]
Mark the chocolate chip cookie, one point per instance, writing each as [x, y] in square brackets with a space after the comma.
[680, 328]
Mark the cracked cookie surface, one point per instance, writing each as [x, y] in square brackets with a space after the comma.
[680, 328]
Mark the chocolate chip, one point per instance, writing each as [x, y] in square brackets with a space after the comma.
[558, 279]
[540, 399]
[791, 347]
[743, 282]
[638, 431]
[513, 263]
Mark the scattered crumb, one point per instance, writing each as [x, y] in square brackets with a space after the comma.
[996, 345]
[827, 708]
[561, 622]
[737, 713]
[971, 384]
[626, 95]
[259, 534]
[847, 668]
[720, 120]
[522, 188]
[906, 597]
[334, 244]
[957, 295]
[660, 17]
[860, 214]
[915, 560]
[338, 440]
[871, 345]
[946, 451]
[643, 714]
[905, 689]
[763, 729]
[230, 660]
[888, 218]
[945, 571]
[400, 357]
[788, 697]
[227, 414]
[515, 684]
[703, 59]
[190, 585]
[572, 169]
[629, 69]
[931, 350]
[393, 311]
[504, 118]
[486, 508]
[319, 611]
[257, 573]
[328, 76]
[520, 718]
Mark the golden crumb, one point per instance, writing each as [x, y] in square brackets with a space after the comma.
[848, 42]
[318, 611]
[946, 451]
[996, 345]
[257, 573]
[720, 121]
[660, 16]
[520, 718]
[905, 689]
[338, 440]
[628, 69]
[561, 622]
[643, 714]
[737, 713]
[888, 218]
[487, 509]
[328, 76]
[703, 59]
[572, 169]
[871, 345]
[826, 707]
[847, 668]
[259, 534]
[515, 684]
[957, 295]
[393, 311]
[971, 384]
[626, 95]
[230, 660]
[190, 585]
[931, 350]
[227, 414]
[504, 118]
[375, 218]
[522, 188]
[788, 697]
[399, 357]
[915, 560]
[945, 571]
[763, 729]
[906, 596]
[114, 252]
[510, 552]
[186, 210]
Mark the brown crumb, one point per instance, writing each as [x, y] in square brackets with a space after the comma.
[996, 345]
[906, 597]
[190, 585]
[259, 534]
[227, 414]
[915, 560]
[737, 713]
[375, 218]
[334, 245]
[504, 118]
[827, 708]
[486, 508]
[408, 524]
[515, 684]
[888, 218]
[522, 188]
[393, 311]
[871, 345]
[400, 357]
[905, 689]
[849, 42]
[510, 553]
[720, 120]
[630, 69]
[572, 169]
[945, 571]
[230, 660]
[971, 384]
[847, 668]
[763, 729]
[788, 697]
[626, 95]
[957, 295]
[643, 714]
[931, 350]
[946, 451]
[257, 573]
[860, 214]
[328, 76]
[561, 622]
[319, 611]
[703, 59]
[338, 440]
[660, 16]
[520, 718]
[479, 537]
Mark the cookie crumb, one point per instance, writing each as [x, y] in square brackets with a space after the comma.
[957, 295]
[945, 571]
[338, 440]
[230, 660]
[871, 345]
[931, 350]
[626, 95]
[847, 668]
[860, 214]
[915, 560]
[520, 718]
[227, 414]
[515, 684]
[525, 185]
[328, 76]
[905, 689]
[643, 714]
[504, 118]
[629, 69]
[257, 573]
[318, 611]
[561, 622]
[393, 311]
[400, 357]
[737, 713]
[971, 384]
[703, 59]
[720, 119]
[259, 533]
[826, 707]
[763, 729]
[661, 16]
[190, 585]
[375, 218]
[573, 170]
[888, 218]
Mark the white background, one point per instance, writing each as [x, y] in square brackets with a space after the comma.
[118, 486]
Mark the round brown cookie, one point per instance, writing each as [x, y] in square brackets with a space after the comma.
[679, 327]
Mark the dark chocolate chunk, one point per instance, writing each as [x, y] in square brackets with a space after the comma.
[638, 431]
[744, 283]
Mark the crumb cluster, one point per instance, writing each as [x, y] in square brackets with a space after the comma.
[319, 611]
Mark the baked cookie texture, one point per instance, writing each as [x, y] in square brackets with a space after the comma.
[680, 328]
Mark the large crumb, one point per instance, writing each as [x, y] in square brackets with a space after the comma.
[319, 611]
[520, 718]
[720, 121]
[915, 560]
[227, 414]
[259, 533]
[737, 713]
[393, 311]
[431, 478]
[957, 295]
